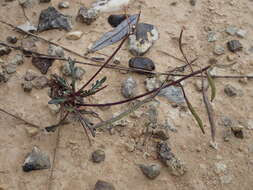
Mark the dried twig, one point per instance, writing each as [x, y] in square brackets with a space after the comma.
[19, 118]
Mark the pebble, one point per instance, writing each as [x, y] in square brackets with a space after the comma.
[174, 165]
[173, 94]
[40, 82]
[161, 134]
[211, 37]
[198, 85]
[110, 6]
[238, 131]
[220, 168]
[143, 39]
[12, 39]
[218, 50]
[3, 75]
[115, 20]
[152, 83]
[241, 33]
[63, 5]
[141, 63]
[11, 68]
[54, 108]
[50, 18]
[75, 35]
[103, 185]
[4, 50]
[32, 131]
[86, 15]
[234, 45]
[55, 51]
[36, 160]
[193, 2]
[98, 156]
[17, 60]
[151, 171]
[231, 30]
[27, 86]
[128, 87]
[230, 90]
[30, 75]
[231, 57]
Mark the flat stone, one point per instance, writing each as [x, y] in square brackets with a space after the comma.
[231, 30]
[143, 39]
[218, 50]
[211, 37]
[43, 64]
[141, 63]
[75, 35]
[40, 82]
[50, 18]
[32, 131]
[174, 165]
[98, 156]
[128, 87]
[115, 20]
[173, 94]
[36, 160]
[55, 51]
[103, 185]
[86, 15]
[151, 171]
[63, 5]
[234, 45]
[241, 33]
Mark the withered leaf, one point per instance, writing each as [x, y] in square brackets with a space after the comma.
[116, 34]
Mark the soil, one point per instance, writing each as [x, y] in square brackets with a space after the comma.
[73, 168]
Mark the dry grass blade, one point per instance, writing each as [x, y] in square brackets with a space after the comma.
[193, 112]
[212, 85]
[209, 109]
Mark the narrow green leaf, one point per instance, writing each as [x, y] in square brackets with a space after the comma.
[57, 101]
[196, 116]
[212, 85]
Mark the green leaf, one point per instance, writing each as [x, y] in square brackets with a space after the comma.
[212, 85]
[57, 101]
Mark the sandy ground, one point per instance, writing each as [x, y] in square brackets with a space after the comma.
[73, 168]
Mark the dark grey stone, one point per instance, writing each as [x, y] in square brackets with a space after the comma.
[143, 63]
[98, 156]
[4, 50]
[12, 39]
[50, 18]
[103, 185]
[234, 45]
[151, 171]
[115, 20]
